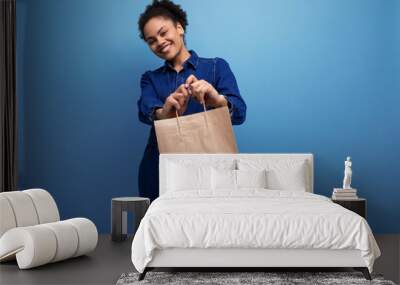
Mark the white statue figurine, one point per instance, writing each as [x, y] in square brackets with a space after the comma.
[347, 173]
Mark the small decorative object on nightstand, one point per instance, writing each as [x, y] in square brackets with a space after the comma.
[119, 208]
[358, 205]
[347, 173]
[345, 193]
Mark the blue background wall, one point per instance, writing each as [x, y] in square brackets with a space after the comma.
[317, 76]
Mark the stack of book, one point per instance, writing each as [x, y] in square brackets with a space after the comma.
[344, 194]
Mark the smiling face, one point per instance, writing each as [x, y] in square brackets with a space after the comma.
[164, 37]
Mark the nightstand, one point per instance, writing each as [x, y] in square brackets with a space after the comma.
[119, 208]
[358, 206]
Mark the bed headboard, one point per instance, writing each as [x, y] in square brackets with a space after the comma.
[165, 159]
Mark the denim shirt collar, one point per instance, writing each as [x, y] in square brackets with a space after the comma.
[192, 60]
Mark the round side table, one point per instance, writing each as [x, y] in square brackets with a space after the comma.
[119, 214]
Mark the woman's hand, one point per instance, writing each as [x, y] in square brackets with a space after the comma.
[204, 92]
[177, 101]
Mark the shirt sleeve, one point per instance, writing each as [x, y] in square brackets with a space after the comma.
[226, 85]
[148, 101]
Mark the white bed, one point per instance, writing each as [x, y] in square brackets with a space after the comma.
[202, 223]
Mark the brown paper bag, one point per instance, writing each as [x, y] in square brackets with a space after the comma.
[205, 132]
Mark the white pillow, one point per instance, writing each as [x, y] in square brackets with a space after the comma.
[294, 179]
[228, 179]
[193, 173]
[182, 177]
[223, 179]
[251, 178]
[282, 174]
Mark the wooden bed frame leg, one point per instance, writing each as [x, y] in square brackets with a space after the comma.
[143, 274]
[364, 271]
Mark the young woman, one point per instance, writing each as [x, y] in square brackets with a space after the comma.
[182, 84]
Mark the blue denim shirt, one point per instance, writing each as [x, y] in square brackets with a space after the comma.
[158, 84]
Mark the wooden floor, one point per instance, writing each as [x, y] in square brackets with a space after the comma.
[111, 259]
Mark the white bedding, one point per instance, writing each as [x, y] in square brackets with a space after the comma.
[251, 218]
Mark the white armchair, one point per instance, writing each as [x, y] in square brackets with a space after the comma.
[31, 230]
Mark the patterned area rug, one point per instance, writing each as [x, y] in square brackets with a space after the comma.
[230, 278]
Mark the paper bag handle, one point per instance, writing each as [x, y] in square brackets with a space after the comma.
[177, 117]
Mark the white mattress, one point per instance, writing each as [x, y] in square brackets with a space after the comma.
[251, 218]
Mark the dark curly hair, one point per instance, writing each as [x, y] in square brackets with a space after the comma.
[163, 8]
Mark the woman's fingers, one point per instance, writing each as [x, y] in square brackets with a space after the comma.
[196, 84]
[191, 79]
[183, 89]
[174, 101]
[202, 94]
[194, 87]
[180, 97]
[187, 87]
[199, 90]
[199, 97]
